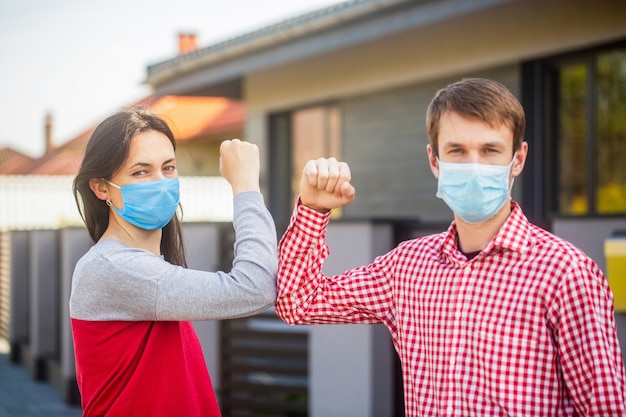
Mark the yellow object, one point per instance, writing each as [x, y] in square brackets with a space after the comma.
[615, 253]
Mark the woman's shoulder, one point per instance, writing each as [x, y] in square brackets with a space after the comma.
[114, 257]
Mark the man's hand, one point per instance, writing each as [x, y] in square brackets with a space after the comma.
[240, 165]
[325, 185]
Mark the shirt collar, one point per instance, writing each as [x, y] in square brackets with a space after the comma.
[514, 235]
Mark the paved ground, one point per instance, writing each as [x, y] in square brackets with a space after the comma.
[21, 396]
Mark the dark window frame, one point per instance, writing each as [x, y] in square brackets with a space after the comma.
[539, 98]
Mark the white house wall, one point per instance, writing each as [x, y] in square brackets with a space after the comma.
[502, 35]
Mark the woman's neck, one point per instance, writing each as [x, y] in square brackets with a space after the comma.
[133, 236]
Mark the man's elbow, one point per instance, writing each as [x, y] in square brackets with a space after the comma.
[286, 312]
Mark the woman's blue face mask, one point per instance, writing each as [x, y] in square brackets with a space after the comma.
[474, 192]
[149, 205]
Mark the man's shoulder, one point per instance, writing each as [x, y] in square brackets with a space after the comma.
[547, 242]
[429, 241]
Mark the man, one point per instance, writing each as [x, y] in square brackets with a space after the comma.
[495, 316]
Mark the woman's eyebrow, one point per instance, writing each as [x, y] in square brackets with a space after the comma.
[140, 164]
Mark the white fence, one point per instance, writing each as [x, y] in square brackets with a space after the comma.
[46, 202]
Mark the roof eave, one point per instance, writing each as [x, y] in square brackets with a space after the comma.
[288, 30]
[222, 66]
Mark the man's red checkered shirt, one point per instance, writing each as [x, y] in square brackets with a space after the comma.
[526, 328]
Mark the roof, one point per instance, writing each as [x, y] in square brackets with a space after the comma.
[12, 161]
[190, 118]
[63, 160]
[218, 69]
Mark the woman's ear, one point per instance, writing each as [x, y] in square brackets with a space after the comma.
[99, 188]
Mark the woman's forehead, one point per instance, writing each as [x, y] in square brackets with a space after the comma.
[149, 146]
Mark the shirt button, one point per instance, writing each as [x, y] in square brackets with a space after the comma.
[467, 269]
[452, 362]
[457, 315]
[449, 410]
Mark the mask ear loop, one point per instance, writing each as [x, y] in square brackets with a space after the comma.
[512, 178]
[107, 201]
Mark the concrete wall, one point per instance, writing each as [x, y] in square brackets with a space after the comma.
[202, 242]
[351, 366]
[43, 301]
[74, 242]
[19, 307]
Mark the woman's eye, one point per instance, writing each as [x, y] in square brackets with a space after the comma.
[170, 168]
[138, 173]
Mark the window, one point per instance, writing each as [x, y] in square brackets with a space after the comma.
[295, 138]
[589, 135]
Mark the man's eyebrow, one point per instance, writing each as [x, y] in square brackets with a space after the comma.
[452, 144]
[493, 145]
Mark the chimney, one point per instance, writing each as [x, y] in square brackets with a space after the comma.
[48, 133]
[186, 43]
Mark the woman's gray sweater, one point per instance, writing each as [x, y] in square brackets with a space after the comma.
[115, 282]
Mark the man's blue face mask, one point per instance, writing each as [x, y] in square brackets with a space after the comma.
[149, 205]
[474, 192]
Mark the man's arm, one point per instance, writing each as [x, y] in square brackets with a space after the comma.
[587, 343]
[306, 295]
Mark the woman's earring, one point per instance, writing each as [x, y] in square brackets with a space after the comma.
[108, 203]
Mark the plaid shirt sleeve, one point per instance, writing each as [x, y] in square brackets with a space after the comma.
[306, 295]
[584, 326]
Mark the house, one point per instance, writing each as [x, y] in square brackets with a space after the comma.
[12, 161]
[199, 125]
[353, 80]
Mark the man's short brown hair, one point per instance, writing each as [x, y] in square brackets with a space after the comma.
[477, 99]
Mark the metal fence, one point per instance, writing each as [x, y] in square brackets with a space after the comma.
[264, 368]
[46, 202]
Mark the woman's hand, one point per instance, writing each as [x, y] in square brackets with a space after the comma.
[240, 165]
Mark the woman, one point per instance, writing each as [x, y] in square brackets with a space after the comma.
[132, 296]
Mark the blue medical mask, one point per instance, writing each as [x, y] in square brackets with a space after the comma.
[149, 205]
[474, 192]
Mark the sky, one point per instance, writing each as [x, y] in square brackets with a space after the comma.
[82, 60]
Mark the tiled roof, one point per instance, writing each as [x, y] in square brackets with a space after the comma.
[190, 118]
[193, 118]
[63, 160]
[12, 161]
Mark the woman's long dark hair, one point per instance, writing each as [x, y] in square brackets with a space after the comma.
[106, 151]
